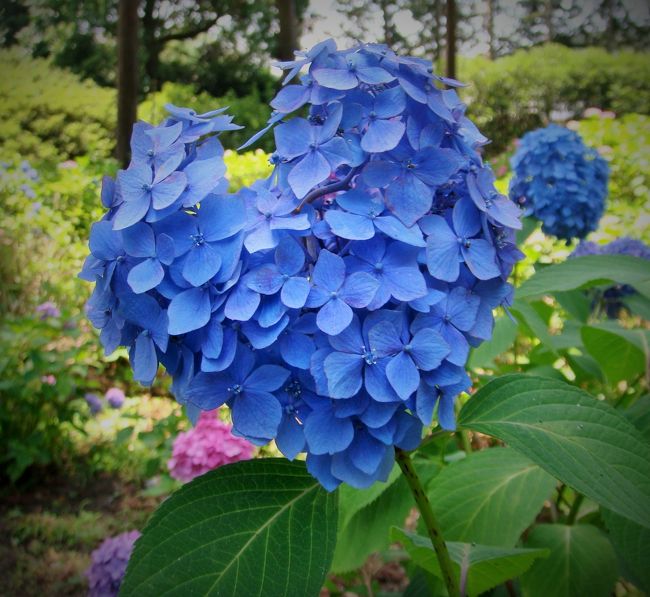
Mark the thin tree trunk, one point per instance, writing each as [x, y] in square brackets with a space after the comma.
[437, 7]
[288, 36]
[127, 76]
[451, 39]
[548, 20]
[489, 25]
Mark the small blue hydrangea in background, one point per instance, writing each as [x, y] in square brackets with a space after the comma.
[560, 181]
[333, 305]
[108, 564]
[611, 299]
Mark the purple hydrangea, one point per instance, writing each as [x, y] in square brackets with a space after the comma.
[115, 397]
[47, 309]
[94, 403]
[108, 564]
[331, 306]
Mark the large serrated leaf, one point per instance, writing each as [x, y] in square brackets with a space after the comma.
[477, 567]
[581, 562]
[582, 441]
[490, 497]
[583, 272]
[259, 527]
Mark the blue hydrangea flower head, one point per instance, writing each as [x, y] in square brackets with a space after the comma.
[108, 564]
[560, 181]
[331, 306]
[611, 300]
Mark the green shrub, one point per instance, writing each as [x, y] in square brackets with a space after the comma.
[50, 114]
[44, 231]
[625, 143]
[245, 168]
[520, 92]
[44, 369]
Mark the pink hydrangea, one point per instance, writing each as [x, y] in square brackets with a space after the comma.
[206, 446]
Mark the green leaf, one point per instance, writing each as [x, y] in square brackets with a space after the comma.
[258, 527]
[478, 567]
[503, 337]
[364, 530]
[617, 355]
[639, 415]
[632, 542]
[581, 562]
[583, 272]
[582, 441]
[638, 305]
[530, 317]
[490, 497]
[576, 303]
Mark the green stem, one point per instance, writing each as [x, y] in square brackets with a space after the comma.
[464, 439]
[422, 501]
[577, 502]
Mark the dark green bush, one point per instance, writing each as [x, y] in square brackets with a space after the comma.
[517, 93]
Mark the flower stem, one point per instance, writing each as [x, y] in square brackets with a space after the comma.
[575, 507]
[422, 501]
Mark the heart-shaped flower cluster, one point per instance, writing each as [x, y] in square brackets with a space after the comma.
[332, 306]
[560, 181]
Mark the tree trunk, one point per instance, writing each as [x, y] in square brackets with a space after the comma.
[451, 39]
[548, 20]
[288, 36]
[127, 76]
[437, 7]
[489, 25]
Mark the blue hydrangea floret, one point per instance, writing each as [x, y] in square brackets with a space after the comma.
[331, 306]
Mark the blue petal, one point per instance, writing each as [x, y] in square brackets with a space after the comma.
[256, 414]
[295, 292]
[466, 218]
[208, 390]
[343, 372]
[221, 217]
[145, 276]
[366, 453]
[327, 434]
[201, 264]
[335, 78]
[291, 438]
[189, 310]
[359, 289]
[309, 172]
[267, 378]
[105, 243]
[428, 349]
[265, 279]
[290, 98]
[202, 177]
[329, 271]
[296, 349]
[242, 303]
[442, 250]
[145, 362]
[139, 240]
[480, 258]
[289, 256]
[350, 226]
[292, 138]
[409, 199]
[403, 375]
[382, 135]
[130, 212]
[165, 248]
[377, 384]
[165, 192]
[320, 467]
[334, 316]
[405, 283]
